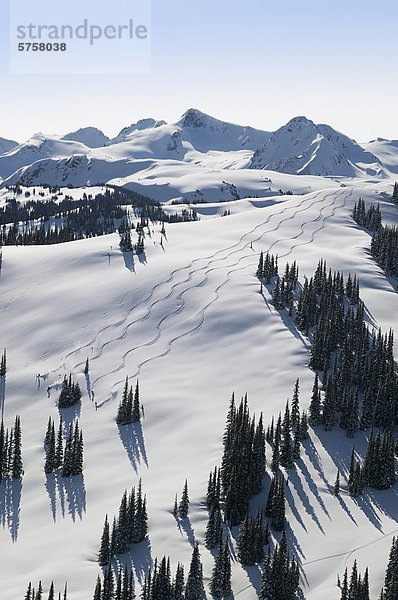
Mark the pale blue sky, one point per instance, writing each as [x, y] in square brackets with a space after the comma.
[258, 62]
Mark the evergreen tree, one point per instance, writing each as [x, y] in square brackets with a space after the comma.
[286, 455]
[70, 393]
[194, 589]
[213, 535]
[295, 412]
[98, 590]
[183, 506]
[179, 583]
[390, 589]
[104, 556]
[337, 484]
[50, 462]
[17, 465]
[51, 592]
[220, 583]
[315, 405]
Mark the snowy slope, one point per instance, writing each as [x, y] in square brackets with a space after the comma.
[142, 124]
[189, 320]
[89, 136]
[36, 148]
[303, 148]
[7, 145]
[386, 151]
[165, 180]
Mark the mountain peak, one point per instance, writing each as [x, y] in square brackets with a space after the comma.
[89, 136]
[194, 118]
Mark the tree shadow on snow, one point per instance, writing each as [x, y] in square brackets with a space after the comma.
[132, 438]
[140, 557]
[186, 527]
[75, 492]
[70, 491]
[253, 573]
[142, 258]
[10, 506]
[312, 485]
[128, 258]
[69, 415]
[371, 501]
[88, 386]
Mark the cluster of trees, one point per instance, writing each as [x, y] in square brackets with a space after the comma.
[267, 267]
[243, 461]
[11, 464]
[68, 458]
[384, 248]
[214, 528]
[378, 467]
[283, 292]
[280, 577]
[384, 245]
[183, 217]
[252, 538]
[38, 594]
[130, 527]
[110, 587]
[159, 585]
[220, 582]
[286, 435]
[126, 243]
[70, 393]
[355, 587]
[28, 223]
[370, 218]
[275, 506]
[390, 589]
[72, 219]
[129, 410]
[359, 379]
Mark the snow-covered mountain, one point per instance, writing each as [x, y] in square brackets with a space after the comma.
[6, 145]
[207, 133]
[386, 151]
[89, 136]
[36, 148]
[301, 147]
[142, 124]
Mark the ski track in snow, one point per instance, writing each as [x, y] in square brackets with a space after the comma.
[245, 242]
[201, 321]
[233, 248]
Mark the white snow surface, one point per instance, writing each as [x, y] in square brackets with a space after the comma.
[89, 136]
[187, 320]
[386, 151]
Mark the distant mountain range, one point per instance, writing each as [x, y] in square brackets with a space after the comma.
[88, 156]
[303, 148]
